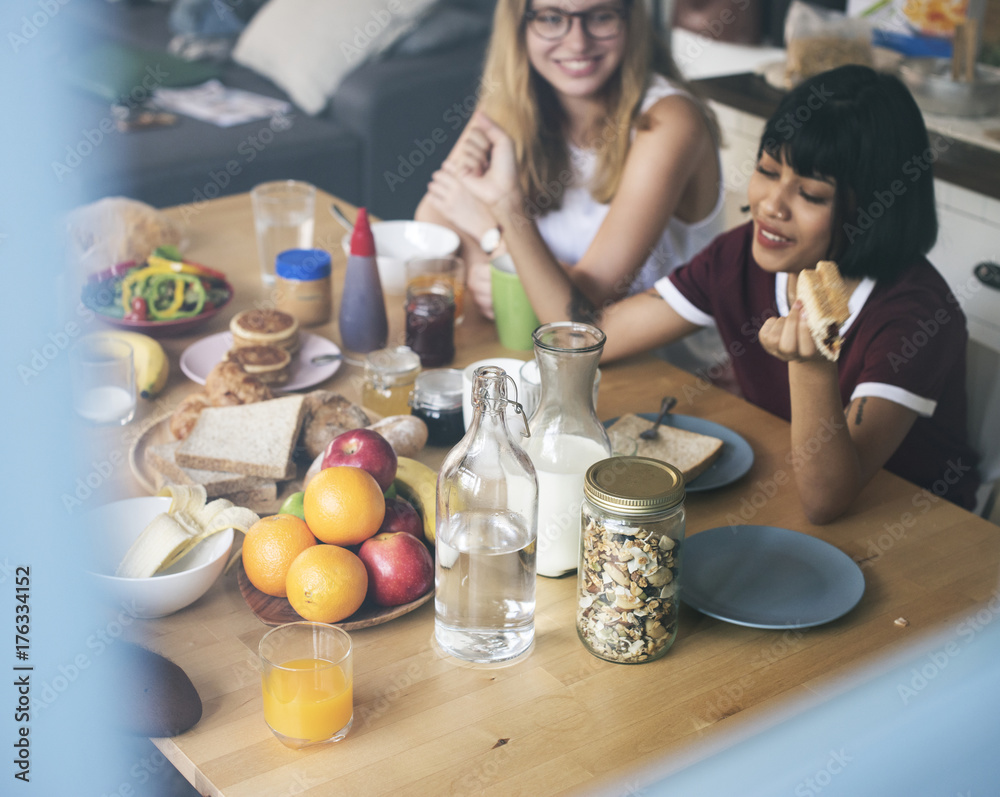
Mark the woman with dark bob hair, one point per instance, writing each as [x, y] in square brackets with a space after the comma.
[843, 173]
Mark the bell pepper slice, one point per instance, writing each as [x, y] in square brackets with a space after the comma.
[186, 300]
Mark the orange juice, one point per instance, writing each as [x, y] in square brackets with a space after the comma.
[309, 699]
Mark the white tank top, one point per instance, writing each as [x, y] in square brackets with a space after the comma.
[569, 230]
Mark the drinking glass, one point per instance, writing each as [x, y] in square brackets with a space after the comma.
[423, 271]
[284, 217]
[102, 373]
[307, 680]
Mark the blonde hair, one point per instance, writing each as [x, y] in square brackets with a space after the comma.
[525, 106]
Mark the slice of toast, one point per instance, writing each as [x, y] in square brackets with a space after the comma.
[162, 460]
[825, 299]
[253, 439]
[691, 453]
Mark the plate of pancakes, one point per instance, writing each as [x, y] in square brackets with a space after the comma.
[269, 345]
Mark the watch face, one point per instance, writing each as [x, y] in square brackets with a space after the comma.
[490, 240]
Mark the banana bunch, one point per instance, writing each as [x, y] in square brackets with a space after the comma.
[417, 483]
[174, 533]
[150, 360]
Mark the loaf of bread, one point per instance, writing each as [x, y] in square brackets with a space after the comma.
[253, 439]
[329, 414]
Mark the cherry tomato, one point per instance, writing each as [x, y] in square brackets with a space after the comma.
[139, 309]
[134, 317]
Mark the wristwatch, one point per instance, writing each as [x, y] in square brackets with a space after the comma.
[490, 240]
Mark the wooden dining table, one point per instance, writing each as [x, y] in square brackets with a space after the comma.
[557, 720]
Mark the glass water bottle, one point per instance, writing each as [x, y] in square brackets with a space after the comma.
[487, 499]
[566, 439]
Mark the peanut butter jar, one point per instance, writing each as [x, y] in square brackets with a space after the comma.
[302, 285]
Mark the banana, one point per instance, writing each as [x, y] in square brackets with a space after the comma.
[417, 483]
[171, 535]
[151, 364]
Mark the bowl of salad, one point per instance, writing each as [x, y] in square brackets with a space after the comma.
[163, 294]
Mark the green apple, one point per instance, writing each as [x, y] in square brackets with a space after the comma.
[391, 492]
[293, 505]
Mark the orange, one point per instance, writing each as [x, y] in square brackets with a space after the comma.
[343, 505]
[326, 583]
[270, 547]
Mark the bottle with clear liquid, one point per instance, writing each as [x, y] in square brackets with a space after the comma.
[567, 438]
[487, 499]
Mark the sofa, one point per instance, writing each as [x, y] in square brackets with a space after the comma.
[375, 142]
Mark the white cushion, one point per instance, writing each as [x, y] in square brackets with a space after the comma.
[307, 46]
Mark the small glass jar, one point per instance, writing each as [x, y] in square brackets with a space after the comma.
[628, 582]
[430, 322]
[389, 378]
[437, 401]
[302, 285]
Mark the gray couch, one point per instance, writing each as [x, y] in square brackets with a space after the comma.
[388, 126]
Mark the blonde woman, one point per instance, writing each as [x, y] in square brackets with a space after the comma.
[617, 160]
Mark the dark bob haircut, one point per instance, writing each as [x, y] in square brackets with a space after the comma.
[863, 129]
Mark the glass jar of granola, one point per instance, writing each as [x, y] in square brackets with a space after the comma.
[633, 527]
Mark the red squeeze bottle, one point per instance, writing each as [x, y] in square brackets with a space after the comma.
[363, 323]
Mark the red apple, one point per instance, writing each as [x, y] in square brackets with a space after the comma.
[365, 449]
[400, 568]
[400, 516]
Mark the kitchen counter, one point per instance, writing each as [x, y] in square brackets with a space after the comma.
[968, 157]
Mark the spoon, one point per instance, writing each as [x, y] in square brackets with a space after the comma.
[668, 403]
[338, 214]
[322, 359]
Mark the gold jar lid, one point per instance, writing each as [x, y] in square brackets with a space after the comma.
[633, 485]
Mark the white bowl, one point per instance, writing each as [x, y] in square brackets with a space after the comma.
[115, 526]
[399, 241]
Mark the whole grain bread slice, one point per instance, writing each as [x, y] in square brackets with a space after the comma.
[162, 459]
[691, 453]
[253, 439]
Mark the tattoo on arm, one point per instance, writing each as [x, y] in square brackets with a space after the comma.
[581, 309]
[861, 410]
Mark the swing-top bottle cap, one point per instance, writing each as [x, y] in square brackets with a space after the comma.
[362, 240]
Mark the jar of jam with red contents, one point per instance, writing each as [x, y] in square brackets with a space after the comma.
[437, 401]
[430, 322]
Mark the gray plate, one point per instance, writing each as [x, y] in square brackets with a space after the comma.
[768, 577]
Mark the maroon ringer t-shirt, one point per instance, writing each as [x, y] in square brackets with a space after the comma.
[905, 341]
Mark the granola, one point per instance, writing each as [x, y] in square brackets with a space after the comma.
[627, 609]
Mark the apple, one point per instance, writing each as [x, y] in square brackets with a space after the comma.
[365, 449]
[293, 505]
[400, 515]
[400, 568]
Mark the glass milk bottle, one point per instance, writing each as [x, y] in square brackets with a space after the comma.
[567, 438]
[487, 500]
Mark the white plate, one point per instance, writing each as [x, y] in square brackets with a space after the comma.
[202, 356]
[768, 577]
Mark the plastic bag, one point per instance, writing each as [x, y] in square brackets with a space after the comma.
[116, 230]
[818, 39]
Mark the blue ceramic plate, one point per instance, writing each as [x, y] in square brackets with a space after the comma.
[734, 462]
[768, 577]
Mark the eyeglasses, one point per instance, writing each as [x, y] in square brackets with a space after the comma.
[600, 22]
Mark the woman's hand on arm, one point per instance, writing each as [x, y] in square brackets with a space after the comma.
[834, 453]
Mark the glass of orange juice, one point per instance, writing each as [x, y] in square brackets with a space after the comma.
[307, 680]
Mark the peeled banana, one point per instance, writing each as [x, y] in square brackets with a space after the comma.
[171, 535]
[417, 483]
[150, 360]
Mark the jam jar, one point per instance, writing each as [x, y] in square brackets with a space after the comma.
[389, 378]
[628, 580]
[437, 401]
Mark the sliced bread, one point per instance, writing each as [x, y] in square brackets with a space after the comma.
[162, 459]
[691, 453]
[253, 439]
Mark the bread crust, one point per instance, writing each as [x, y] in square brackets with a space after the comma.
[824, 296]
